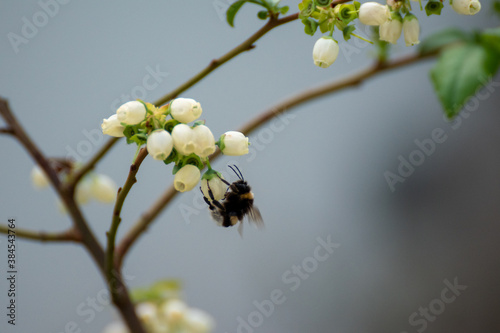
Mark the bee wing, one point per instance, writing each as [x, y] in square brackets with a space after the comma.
[255, 217]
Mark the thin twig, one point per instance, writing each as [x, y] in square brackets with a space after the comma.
[245, 46]
[148, 217]
[6, 131]
[88, 238]
[91, 164]
[115, 223]
[118, 289]
[69, 235]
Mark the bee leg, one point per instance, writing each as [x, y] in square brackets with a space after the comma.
[224, 181]
[207, 201]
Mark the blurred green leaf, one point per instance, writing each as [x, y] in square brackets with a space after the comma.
[442, 38]
[491, 38]
[460, 72]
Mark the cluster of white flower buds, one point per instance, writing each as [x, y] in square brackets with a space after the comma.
[168, 317]
[169, 138]
[94, 186]
[389, 18]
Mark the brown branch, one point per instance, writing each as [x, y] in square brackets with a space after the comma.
[6, 131]
[214, 64]
[123, 302]
[120, 200]
[69, 235]
[91, 164]
[148, 217]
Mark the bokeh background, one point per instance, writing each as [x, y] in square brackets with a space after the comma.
[318, 172]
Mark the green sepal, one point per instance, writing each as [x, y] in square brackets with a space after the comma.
[198, 123]
[159, 292]
[220, 143]
[210, 174]
[135, 134]
[148, 111]
[310, 26]
[172, 157]
[433, 7]
[348, 31]
[283, 10]
[323, 3]
[192, 159]
[306, 7]
[170, 124]
[346, 13]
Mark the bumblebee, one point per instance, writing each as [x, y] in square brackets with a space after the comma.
[237, 203]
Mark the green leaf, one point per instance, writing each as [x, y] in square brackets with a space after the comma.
[348, 31]
[491, 38]
[496, 7]
[262, 14]
[436, 41]
[135, 134]
[460, 72]
[284, 10]
[310, 26]
[235, 7]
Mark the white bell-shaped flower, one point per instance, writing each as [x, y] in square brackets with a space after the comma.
[234, 143]
[174, 310]
[411, 29]
[146, 311]
[131, 113]
[217, 186]
[205, 142]
[466, 7]
[103, 188]
[159, 144]
[184, 139]
[199, 321]
[83, 192]
[185, 110]
[186, 178]
[391, 29]
[325, 52]
[112, 126]
[373, 13]
[116, 327]
[39, 178]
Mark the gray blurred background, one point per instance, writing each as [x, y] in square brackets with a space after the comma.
[319, 172]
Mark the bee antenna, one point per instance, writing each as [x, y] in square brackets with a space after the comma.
[240, 175]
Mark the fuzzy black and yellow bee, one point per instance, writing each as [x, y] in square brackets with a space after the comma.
[236, 204]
